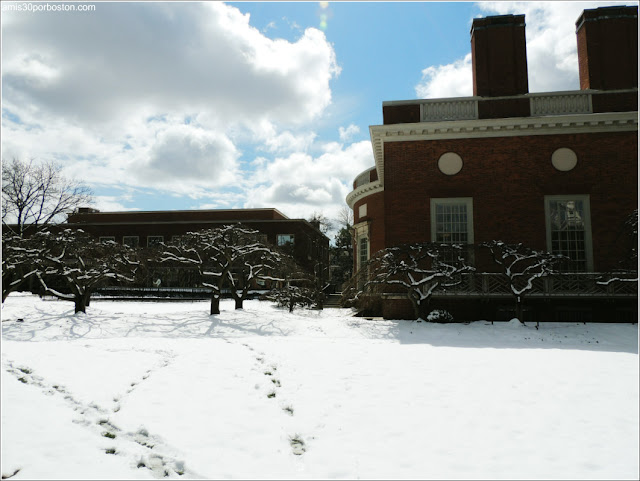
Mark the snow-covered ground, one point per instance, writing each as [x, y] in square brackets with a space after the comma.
[144, 390]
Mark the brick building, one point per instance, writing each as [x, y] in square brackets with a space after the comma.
[300, 238]
[510, 165]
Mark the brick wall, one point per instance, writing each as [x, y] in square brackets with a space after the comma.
[608, 48]
[499, 56]
[508, 179]
[401, 114]
[177, 216]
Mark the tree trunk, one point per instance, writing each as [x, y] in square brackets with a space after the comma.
[81, 303]
[519, 310]
[239, 301]
[414, 304]
[423, 309]
[215, 304]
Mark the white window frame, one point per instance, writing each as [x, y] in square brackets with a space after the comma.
[106, 238]
[588, 241]
[467, 201]
[358, 247]
[149, 237]
[124, 239]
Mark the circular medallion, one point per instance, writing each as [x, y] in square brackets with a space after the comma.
[564, 159]
[450, 163]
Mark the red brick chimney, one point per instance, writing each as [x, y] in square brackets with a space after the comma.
[608, 48]
[499, 56]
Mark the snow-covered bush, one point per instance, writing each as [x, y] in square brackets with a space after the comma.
[440, 315]
[19, 261]
[417, 271]
[521, 266]
[291, 296]
[295, 288]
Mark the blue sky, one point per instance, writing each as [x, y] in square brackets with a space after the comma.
[190, 105]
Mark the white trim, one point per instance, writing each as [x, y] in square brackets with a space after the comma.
[358, 244]
[360, 230]
[503, 127]
[363, 191]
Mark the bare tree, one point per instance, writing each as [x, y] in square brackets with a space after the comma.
[251, 259]
[321, 221]
[36, 194]
[204, 251]
[345, 217]
[81, 264]
[217, 253]
[521, 265]
[418, 270]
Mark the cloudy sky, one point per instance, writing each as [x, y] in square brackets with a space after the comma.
[189, 105]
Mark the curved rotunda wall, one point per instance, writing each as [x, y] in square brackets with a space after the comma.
[368, 219]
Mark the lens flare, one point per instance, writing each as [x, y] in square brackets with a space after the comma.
[324, 15]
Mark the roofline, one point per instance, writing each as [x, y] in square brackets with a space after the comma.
[178, 211]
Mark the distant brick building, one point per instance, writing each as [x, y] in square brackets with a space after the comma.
[300, 238]
[557, 171]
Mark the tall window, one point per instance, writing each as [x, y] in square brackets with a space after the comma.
[452, 220]
[569, 229]
[363, 251]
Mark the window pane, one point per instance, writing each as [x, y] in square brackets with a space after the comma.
[363, 250]
[285, 239]
[568, 231]
[452, 226]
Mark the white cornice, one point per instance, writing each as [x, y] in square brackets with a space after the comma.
[503, 127]
[362, 191]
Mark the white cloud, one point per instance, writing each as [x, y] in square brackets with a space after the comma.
[271, 139]
[183, 152]
[107, 203]
[158, 94]
[300, 183]
[348, 133]
[551, 50]
[168, 57]
[452, 80]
